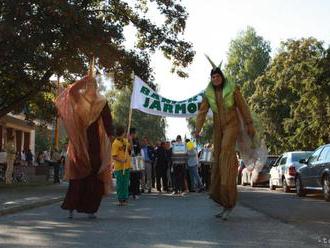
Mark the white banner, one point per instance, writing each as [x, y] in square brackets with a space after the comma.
[147, 100]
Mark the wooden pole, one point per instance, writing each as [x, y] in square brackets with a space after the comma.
[129, 126]
[127, 134]
[57, 119]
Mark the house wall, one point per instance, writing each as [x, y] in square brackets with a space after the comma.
[24, 135]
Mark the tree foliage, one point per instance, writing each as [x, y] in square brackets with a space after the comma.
[248, 58]
[147, 125]
[207, 131]
[292, 96]
[40, 38]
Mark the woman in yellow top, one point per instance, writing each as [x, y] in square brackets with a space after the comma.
[122, 163]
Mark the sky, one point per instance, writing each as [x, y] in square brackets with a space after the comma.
[212, 24]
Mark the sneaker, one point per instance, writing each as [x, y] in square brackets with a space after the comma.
[226, 214]
[70, 214]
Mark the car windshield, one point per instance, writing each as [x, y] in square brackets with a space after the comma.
[296, 157]
[270, 161]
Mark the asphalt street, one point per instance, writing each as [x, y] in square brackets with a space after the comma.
[310, 213]
[154, 221]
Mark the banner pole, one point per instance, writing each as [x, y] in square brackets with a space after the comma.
[129, 125]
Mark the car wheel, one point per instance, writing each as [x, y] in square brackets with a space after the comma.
[299, 187]
[286, 188]
[271, 186]
[326, 188]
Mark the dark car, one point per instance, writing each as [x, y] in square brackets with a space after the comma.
[314, 175]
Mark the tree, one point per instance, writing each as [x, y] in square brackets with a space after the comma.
[39, 39]
[207, 132]
[248, 58]
[292, 97]
[147, 125]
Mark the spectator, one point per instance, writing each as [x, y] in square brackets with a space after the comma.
[161, 168]
[40, 158]
[56, 161]
[23, 157]
[179, 170]
[29, 157]
[193, 167]
[169, 167]
[147, 154]
[122, 162]
[206, 166]
[241, 166]
[134, 186]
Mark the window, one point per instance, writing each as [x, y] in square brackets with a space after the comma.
[299, 156]
[270, 161]
[324, 154]
[315, 155]
[283, 160]
[327, 159]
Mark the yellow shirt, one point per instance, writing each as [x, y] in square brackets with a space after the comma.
[118, 149]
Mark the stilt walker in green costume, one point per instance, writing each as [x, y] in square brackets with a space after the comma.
[228, 106]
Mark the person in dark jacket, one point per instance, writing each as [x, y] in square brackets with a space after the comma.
[161, 167]
[134, 186]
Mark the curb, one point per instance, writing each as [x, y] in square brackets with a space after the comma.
[27, 206]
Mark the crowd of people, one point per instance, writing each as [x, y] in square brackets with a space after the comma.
[16, 161]
[161, 172]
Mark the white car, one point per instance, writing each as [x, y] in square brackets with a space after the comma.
[283, 172]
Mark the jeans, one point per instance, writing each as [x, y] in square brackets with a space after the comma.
[148, 175]
[194, 177]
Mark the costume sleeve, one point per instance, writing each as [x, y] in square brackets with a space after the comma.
[107, 120]
[243, 107]
[201, 116]
[75, 87]
[115, 149]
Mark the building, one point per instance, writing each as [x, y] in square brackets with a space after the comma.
[22, 130]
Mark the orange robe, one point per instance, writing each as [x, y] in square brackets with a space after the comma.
[88, 124]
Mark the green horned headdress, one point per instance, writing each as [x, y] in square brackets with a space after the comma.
[227, 91]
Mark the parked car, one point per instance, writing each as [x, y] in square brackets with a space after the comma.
[253, 176]
[314, 175]
[283, 172]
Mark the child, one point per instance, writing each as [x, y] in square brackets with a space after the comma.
[122, 163]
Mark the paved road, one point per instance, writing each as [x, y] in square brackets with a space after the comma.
[154, 220]
[310, 213]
